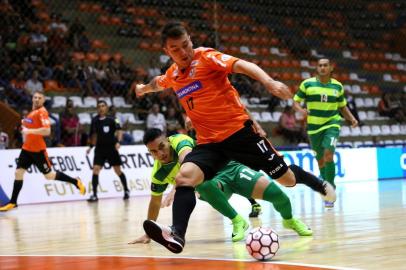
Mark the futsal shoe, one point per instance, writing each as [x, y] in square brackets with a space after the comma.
[255, 210]
[164, 235]
[93, 198]
[328, 204]
[298, 226]
[239, 228]
[126, 195]
[8, 207]
[81, 187]
[329, 192]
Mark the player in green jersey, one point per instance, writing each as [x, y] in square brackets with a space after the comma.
[324, 99]
[234, 178]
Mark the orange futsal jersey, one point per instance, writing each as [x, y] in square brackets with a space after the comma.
[207, 96]
[36, 119]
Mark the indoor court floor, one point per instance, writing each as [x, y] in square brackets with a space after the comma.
[365, 230]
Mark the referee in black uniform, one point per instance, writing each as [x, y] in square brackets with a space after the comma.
[105, 133]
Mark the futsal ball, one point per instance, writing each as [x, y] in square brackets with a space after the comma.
[262, 243]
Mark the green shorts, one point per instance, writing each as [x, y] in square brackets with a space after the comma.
[237, 178]
[326, 139]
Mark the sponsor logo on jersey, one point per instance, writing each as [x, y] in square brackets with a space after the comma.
[28, 120]
[225, 57]
[106, 129]
[188, 89]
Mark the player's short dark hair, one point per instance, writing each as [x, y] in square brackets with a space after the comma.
[39, 92]
[100, 101]
[151, 134]
[174, 29]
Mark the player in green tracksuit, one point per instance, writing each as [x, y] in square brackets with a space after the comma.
[324, 99]
[168, 153]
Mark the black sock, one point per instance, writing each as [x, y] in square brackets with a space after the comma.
[308, 179]
[18, 185]
[123, 181]
[95, 183]
[65, 178]
[183, 205]
[252, 201]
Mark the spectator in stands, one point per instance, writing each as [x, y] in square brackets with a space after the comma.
[155, 119]
[4, 140]
[127, 138]
[17, 93]
[390, 108]
[290, 128]
[173, 123]
[33, 84]
[70, 125]
[75, 30]
[352, 106]
[118, 85]
[57, 23]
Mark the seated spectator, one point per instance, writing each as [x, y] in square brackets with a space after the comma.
[70, 125]
[173, 123]
[290, 128]
[352, 106]
[57, 23]
[155, 119]
[127, 138]
[4, 140]
[17, 94]
[390, 108]
[33, 84]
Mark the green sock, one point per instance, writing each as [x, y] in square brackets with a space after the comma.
[279, 199]
[210, 192]
[323, 172]
[330, 171]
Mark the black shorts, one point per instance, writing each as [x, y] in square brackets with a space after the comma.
[39, 159]
[245, 146]
[106, 153]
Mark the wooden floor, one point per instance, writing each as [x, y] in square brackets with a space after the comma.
[366, 230]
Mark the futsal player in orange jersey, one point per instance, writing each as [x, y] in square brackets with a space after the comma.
[34, 127]
[199, 77]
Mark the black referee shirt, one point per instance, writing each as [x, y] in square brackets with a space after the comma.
[105, 128]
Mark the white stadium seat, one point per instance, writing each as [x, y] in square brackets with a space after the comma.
[369, 102]
[395, 129]
[85, 118]
[366, 130]
[59, 101]
[362, 115]
[359, 102]
[266, 116]
[375, 130]
[77, 101]
[89, 102]
[276, 116]
[119, 102]
[355, 131]
[385, 129]
[138, 135]
[345, 131]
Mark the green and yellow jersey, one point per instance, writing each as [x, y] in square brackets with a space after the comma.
[164, 174]
[323, 103]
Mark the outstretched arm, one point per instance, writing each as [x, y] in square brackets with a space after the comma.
[153, 212]
[276, 88]
[142, 89]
